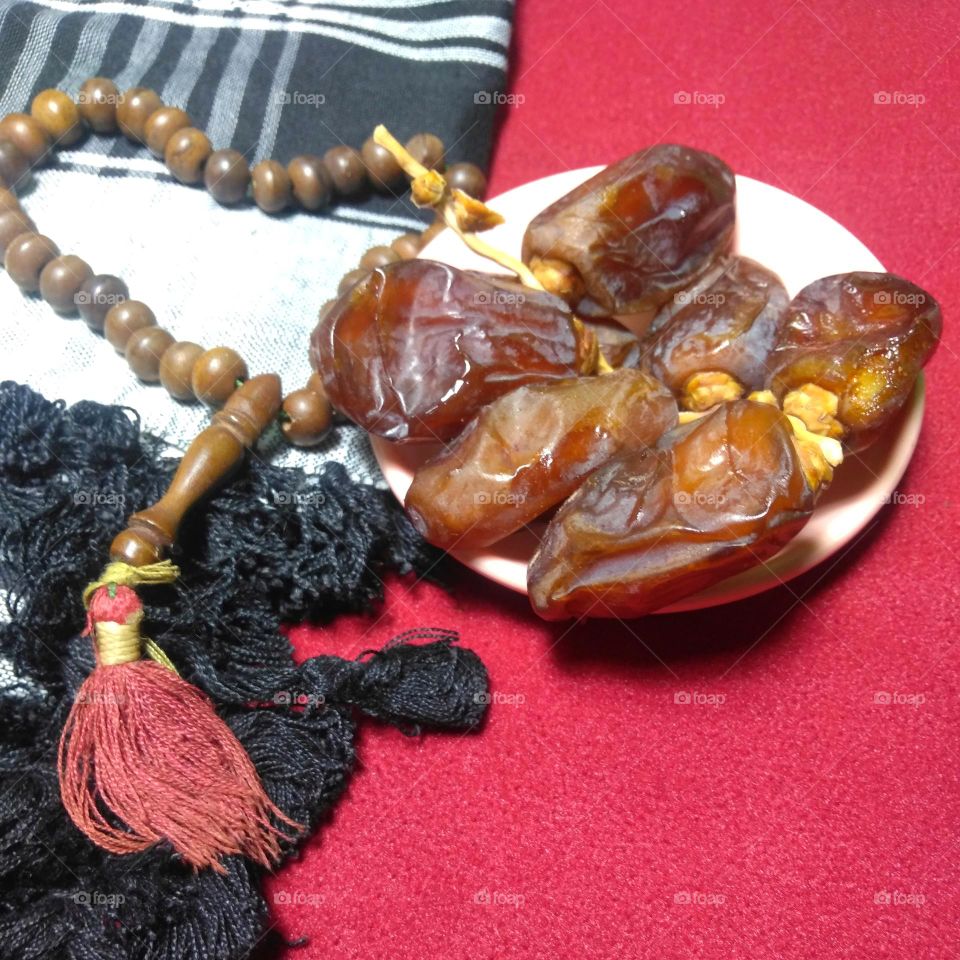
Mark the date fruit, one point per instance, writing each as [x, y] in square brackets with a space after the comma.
[850, 351]
[415, 349]
[529, 450]
[625, 241]
[716, 496]
[728, 325]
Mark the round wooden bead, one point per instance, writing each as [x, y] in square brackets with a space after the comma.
[407, 247]
[12, 224]
[59, 117]
[308, 417]
[97, 295]
[215, 375]
[436, 227]
[428, 149]
[161, 125]
[97, 103]
[271, 186]
[26, 257]
[61, 280]
[382, 169]
[226, 176]
[145, 350]
[176, 368]
[14, 166]
[347, 170]
[26, 135]
[378, 257]
[351, 278]
[310, 182]
[8, 200]
[124, 319]
[186, 154]
[467, 177]
[133, 110]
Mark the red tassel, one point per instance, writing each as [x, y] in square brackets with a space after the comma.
[144, 758]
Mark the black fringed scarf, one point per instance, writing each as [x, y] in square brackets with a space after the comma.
[276, 545]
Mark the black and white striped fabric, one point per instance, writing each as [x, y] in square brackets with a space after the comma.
[272, 78]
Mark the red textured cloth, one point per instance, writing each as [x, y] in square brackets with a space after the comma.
[782, 811]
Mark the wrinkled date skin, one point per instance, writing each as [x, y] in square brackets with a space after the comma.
[863, 336]
[639, 231]
[529, 450]
[716, 496]
[619, 346]
[415, 349]
[729, 323]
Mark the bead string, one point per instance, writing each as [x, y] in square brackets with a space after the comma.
[68, 284]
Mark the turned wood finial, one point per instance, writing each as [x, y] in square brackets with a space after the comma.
[209, 460]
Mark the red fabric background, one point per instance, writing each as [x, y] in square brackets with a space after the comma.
[592, 804]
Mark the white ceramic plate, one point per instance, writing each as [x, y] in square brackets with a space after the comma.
[801, 244]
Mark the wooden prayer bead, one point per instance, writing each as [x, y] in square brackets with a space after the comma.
[382, 169]
[8, 200]
[308, 417]
[12, 224]
[14, 165]
[97, 295]
[176, 368]
[215, 375]
[271, 186]
[428, 149]
[61, 280]
[145, 349]
[133, 110]
[436, 227]
[407, 246]
[26, 135]
[310, 182]
[351, 278]
[26, 257]
[378, 257]
[187, 152]
[59, 117]
[347, 170]
[161, 125]
[126, 318]
[97, 104]
[467, 177]
[227, 176]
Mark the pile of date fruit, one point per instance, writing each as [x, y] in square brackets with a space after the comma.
[661, 401]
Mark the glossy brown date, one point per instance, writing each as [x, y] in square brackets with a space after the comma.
[625, 241]
[415, 349]
[529, 450]
[729, 324]
[861, 339]
[620, 347]
[715, 497]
